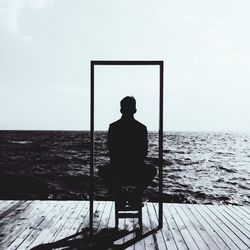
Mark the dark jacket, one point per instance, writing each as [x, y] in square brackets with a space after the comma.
[127, 144]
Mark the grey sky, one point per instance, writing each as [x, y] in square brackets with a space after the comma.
[46, 46]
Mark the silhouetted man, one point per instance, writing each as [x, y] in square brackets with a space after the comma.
[128, 146]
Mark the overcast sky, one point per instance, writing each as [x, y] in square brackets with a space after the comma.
[46, 47]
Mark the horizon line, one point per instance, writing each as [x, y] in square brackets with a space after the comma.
[100, 130]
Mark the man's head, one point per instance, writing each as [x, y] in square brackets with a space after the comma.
[128, 106]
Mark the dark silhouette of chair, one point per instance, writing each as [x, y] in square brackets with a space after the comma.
[125, 209]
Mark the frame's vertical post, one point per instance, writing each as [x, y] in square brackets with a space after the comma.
[91, 188]
[161, 147]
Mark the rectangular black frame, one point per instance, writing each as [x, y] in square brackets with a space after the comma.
[92, 74]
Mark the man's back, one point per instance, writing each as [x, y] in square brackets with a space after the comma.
[127, 143]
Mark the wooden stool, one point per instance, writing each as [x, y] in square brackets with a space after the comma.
[126, 210]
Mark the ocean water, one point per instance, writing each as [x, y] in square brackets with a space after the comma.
[199, 167]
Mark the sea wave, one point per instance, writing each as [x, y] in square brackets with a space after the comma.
[197, 168]
[20, 142]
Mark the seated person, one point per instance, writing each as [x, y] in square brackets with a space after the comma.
[128, 146]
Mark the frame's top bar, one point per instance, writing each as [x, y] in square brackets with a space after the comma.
[121, 62]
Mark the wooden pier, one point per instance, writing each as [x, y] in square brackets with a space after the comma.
[26, 224]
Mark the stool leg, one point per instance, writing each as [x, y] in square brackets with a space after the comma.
[116, 217]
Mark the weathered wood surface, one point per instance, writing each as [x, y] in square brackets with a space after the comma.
[26, 224]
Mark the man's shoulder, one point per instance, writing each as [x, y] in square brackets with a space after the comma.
[115, 124]
[120, 123]
[139, 124]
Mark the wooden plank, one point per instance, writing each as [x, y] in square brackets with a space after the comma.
[80, 217]
[106, 215]
[44, 221]
[62, 220]
[132, 222]
[38, 232]
[172, 225]
[165, 231]
[55, 219]
[127, 226]
[238, 216]
[101, 210]
[67, 221]
[111, 220]
[243, 211]
[219, 227]
[40, 228]
[149, 240]
[84, 218]
[200, 235]
[244, 227]
[202, 238]
[207, 227]
[5, 204]
[153, 220]
[191, 228]
[36, 216]
[246, 209]
[13, 226]
[140, 245]
[45, 233]
[10, 208]
[190, 241]
[97, 213]
[85, 223]
[11, 217]
[233, 227]
[15, 223]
